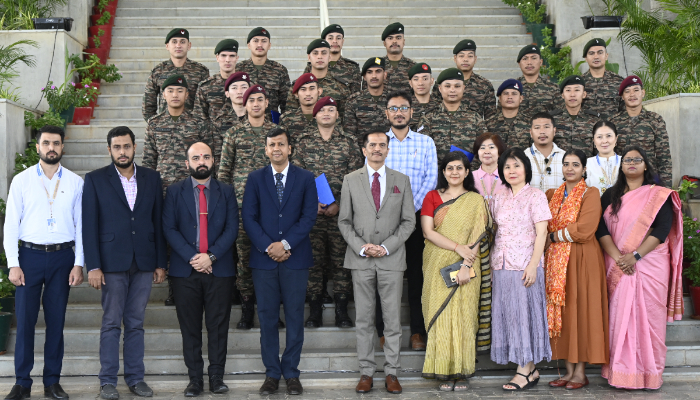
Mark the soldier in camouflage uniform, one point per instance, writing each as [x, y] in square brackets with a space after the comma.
[178, 44]
[646, 129]
[210, 98]
[421, 81]
[452, 123]
[601, 85]
[574, 125]
[300, 119]
[232, 113]
[396, 65]
[509, 123]
[539, 93]
[326, 149]
[269, 74]
[343, 69]
[365, 111]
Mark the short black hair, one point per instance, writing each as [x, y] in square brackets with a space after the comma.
[399, 93]
[276, 131]
[542, 115]
[365, 137]
[468, 183]
[120, 131]
[51, 129]
[517, 154]
[187, 152]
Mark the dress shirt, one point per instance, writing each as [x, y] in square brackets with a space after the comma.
[602, 173]
[284, 173]
[415, 157]
[196, 202]
[382, 187]
[28, 211]
[546, 180]
[130, 188]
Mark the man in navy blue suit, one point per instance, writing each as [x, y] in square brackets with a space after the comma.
[125, 252]
[279, 210]
[200, 221]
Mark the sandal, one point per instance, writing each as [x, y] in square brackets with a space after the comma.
[447, 386]
[527, 386]
[461, 386]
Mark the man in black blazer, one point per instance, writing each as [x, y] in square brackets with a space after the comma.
[200, 221]
[280, 204]
[124, 253]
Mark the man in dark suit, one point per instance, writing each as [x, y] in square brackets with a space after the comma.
[279, 210]
[200, 221]
[124, 252]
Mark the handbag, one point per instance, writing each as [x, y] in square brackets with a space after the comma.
[449, 273]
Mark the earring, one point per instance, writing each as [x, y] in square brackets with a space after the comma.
[563, 179]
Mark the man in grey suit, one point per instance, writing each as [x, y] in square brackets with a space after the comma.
[376, 217]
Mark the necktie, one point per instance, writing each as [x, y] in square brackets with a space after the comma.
[376, 190]
[280, 186]
[203, 237]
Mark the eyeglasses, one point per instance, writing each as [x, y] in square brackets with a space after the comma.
[394, 109]
[636, 160]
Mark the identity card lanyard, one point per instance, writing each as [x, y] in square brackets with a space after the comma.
[489, 195]
[609, 179]
[51, 222]
[547, 168]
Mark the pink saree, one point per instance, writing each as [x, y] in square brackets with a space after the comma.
[642, 303]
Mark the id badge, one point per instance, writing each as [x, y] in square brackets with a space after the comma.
[51, 223]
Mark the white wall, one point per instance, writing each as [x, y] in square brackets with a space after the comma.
[632, 56]
[80, 11]
[14, 137]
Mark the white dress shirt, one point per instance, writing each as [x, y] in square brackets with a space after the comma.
[382, 190]
[284, 173]
[28, 211]
[541, 178]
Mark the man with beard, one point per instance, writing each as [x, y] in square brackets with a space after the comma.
[509, 122]
[364, 112]
[201, 266]
[343, 69]
[47, 224]
[397, 65]
[210, 98]
[306, 91]
[125, 253]
[232, 113]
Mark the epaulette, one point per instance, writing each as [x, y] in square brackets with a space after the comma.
[593, 113]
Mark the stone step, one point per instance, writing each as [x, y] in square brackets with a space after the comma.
[337, 14]
[132, 112]
[89, 162]
[93, 146]
[220, 3]
[98, 129]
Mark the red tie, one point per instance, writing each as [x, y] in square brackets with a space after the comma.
[376, 190]
[203, 239]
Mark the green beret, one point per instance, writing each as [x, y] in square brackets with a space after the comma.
[419, 68]
[450, 74]
[259, 31]
[373, 62]
[316, 44]
[392, 29]
[177, 32]
[174, 80]
[226, 45]
[529, 49]
[466, 44]
[572, 80]
[591, 43]
[332, 28]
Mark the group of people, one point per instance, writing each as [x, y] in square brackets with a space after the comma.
[504, 187]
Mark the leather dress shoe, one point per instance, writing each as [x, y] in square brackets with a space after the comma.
[381, 342]
[270, 385]
[19, 392]
[55, 391]
[365, 385]
[294, 387]
[392, 384]
[195, 388]
[217, 385]
[417, 342]
[141, 389]
[109, 392]
[558, 383]
[576, 385]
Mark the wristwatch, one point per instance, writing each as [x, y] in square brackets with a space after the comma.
[212, 257]
[551, 237]
[286, 245]
[637, 255]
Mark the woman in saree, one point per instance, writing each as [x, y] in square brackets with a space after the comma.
[641, 233]
[453, 217]
[577, 297]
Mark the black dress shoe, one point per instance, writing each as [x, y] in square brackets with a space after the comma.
[141, 389]
[247, 313]
[109, 392]
[195, 388]
[294, 387]
[19, 392]
[217, 385]
[270, 386]
[55, 391]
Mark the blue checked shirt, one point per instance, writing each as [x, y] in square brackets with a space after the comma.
[415, 157]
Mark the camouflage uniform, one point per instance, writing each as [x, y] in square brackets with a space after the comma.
[575, 133]
[243, 152]
[648, 131]
[448, 129]
[346, 71]
[335, 158]
[210, 98]
[602, 94]
[479, 95]
[222, 122]
[397, 78]
[331, 87]
[515, 133]
[296, 123]
[194, 73]
[421, 109]
[544, 95]
[274, 77]
[364, 115]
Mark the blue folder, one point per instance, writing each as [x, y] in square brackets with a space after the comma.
[325, 196]
[469, 155]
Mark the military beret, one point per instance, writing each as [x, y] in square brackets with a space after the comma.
[317, 43]
[373, 62]
[419, 68]
[259, 31]
[631, 80]
[252, 90]
[174, 80]
[529, 49]
[592, 43]
[510, 84]
[226, 45]
[466, 44]
[303, 80]
[450, 74]
[571, 80]
[332, 28]
[177, 32]
[236, 77]
[322, 102]
[392, 29]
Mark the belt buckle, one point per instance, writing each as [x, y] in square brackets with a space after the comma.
[58, 247]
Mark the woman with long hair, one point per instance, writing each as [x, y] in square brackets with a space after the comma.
[641, 233]
[605, 165]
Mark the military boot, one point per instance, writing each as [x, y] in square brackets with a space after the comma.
[247, 313]
[342, 319]
[315, 312]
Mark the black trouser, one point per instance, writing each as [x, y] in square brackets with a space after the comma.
[414, 274]
[205, 294]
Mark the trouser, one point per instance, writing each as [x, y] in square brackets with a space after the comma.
[48, 271]
[329, 249]
[124, 299]
[203, 295]
[414, 275]
[244, 277]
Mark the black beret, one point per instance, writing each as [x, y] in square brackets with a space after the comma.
[174, 80]
[529, 49]
[392, 29]
[510, 84]
[177, 32]
[373, 62]
[259, 31]
[450, 74]
[591, 43]
[466, 44]
[332, 28]
[226, 45]
[571, 80]
[419, 68]
[316, 44]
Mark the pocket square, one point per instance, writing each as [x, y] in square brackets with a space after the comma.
[396, 189]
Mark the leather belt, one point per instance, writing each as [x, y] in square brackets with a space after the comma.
[47, 247]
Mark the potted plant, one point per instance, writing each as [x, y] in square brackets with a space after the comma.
[83, 110]
[105, 5]
[609, 20]
[94, 72]
[106, 18]
[691, 254]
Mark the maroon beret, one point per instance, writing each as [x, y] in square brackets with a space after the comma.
[303, 80]
[252, 90]
[236, 77]
[630, 81]
[322, 102]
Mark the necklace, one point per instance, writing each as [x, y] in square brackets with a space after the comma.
[489, 194]
[609, 174]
